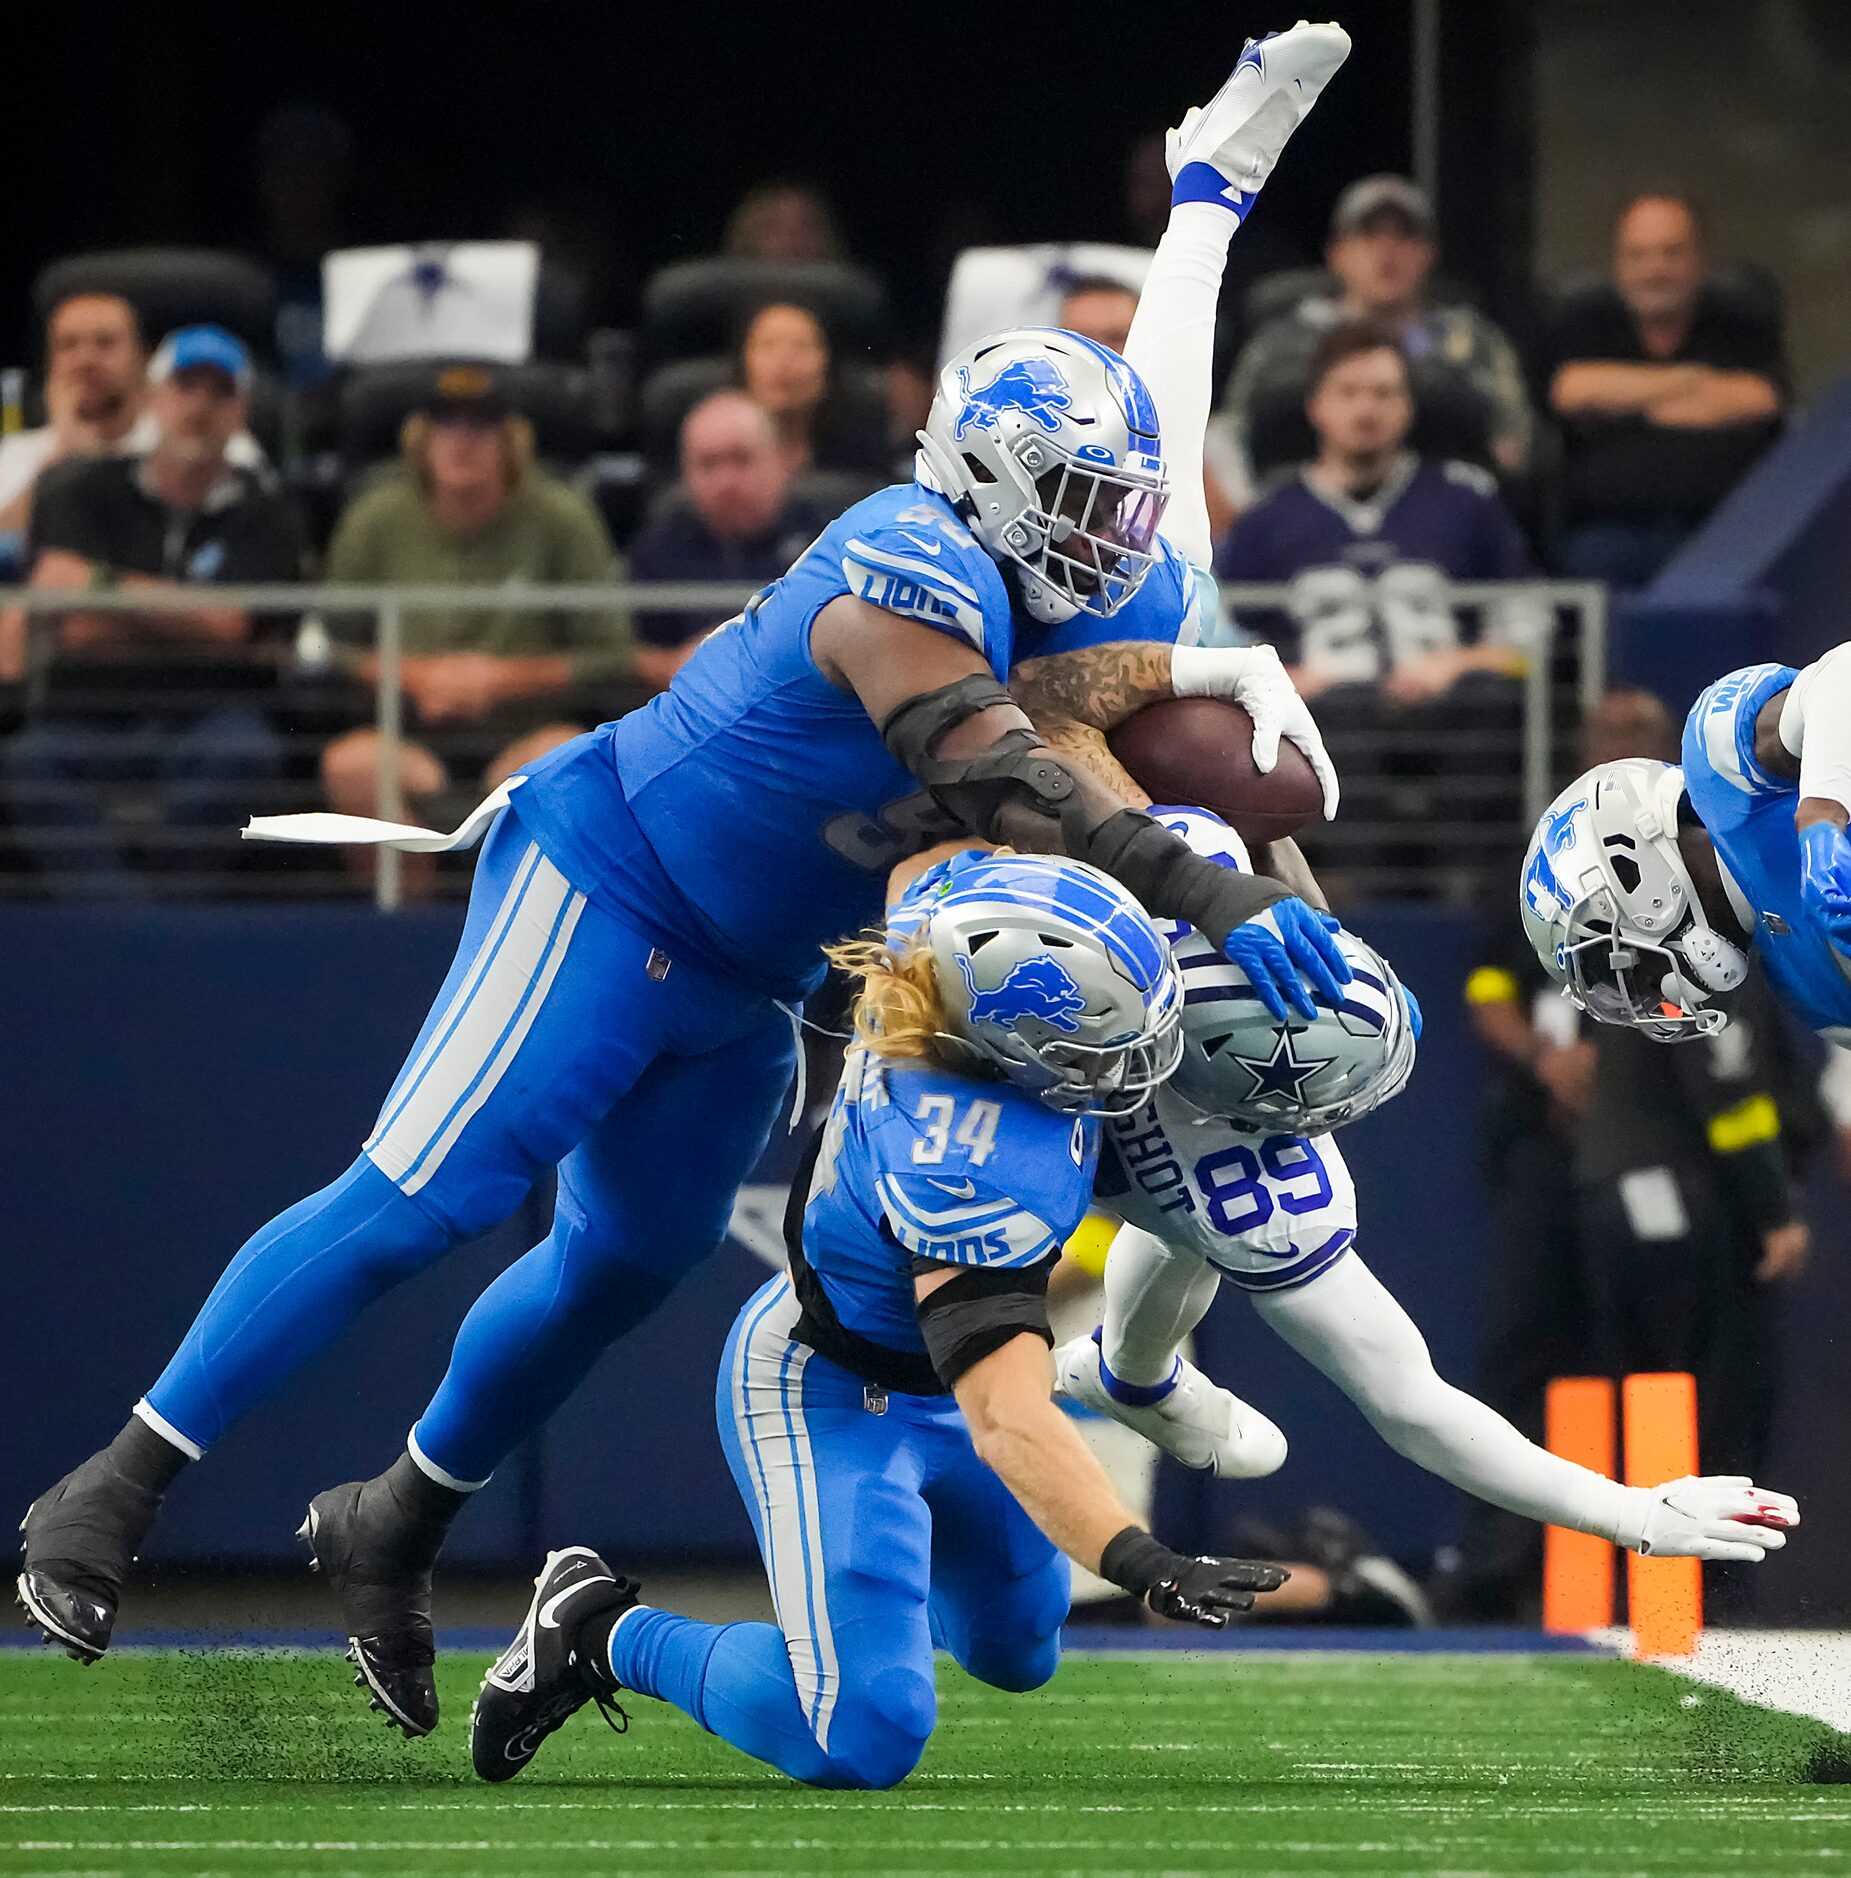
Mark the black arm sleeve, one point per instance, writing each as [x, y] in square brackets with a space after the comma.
[970, 1316]
[1015, 792]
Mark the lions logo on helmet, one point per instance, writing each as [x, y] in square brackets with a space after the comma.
[1048, 446]
[1611, 911]
[1051, 973]
[1034, 386]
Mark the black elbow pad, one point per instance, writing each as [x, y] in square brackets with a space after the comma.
[980, 1310]
[1172, 880]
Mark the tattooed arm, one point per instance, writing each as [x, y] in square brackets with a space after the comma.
[1074, 698]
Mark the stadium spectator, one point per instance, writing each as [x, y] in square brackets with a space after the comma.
[122, 699]
[731, 517]
[1667, 390]
[784, 220]
[1098, 308]
[786, 366]
[1368, 537]
[497, 688]
[1383, 250]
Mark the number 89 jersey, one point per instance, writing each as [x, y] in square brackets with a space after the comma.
[1267, 1211]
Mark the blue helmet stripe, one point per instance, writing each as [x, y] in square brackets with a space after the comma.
[1078, 899]
[1134, 398]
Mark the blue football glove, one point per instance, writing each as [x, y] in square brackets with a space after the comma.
[1274, 947]
[1825, 879]
[1413, 1004]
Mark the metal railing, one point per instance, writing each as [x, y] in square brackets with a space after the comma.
[1563, 675]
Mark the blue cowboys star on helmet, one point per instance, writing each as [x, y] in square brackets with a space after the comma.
[1283, 1073]
[1036, 387]
[1034, 988]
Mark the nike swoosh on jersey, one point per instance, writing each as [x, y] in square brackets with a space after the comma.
[924, 547]
[547, 1620]
[958, 1189]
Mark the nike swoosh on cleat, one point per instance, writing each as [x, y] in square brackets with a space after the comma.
[546, 1618]
[958, 1189]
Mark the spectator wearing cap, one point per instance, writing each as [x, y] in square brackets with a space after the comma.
[732, 517]
[166, 703]
[1098, 308]
[1369, 537]
[1667, 387]
[487, 690]
[1382, 250]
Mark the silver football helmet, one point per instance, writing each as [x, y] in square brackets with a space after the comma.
[1048, 446]
[1610, 909]
[1050, 973]
[1303, 1076]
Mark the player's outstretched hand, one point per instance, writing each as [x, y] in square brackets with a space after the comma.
[1273, 948]
[1825, 878]
[1208, 1591]
[1718, 1516]
[1253, 678]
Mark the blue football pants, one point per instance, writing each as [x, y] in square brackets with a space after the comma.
[883, 1534]
[558, 1039]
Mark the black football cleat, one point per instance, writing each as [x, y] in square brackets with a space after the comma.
[543, 1678]
[376, 1552]
[80, 1540]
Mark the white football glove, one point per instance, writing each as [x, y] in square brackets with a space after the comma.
[1253, 678]
[1720, 1516]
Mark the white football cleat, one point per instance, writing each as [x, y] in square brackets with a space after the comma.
[1199, 1422]
[1222, 152]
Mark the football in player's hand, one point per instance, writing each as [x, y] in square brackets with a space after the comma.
[1199, 752]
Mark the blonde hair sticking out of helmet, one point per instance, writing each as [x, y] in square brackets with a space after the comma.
[899, 1012]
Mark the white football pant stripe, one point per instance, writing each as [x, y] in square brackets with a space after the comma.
[767, 1398]
[483, 1028]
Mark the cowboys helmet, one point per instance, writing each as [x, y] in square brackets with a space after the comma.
[1302, 1076]
[1611, 911]
[1047, 445]
[1051, 974]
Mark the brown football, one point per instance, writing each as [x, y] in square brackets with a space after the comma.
[1198, 753]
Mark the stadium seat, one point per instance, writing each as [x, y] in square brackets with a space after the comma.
[1450, 420]
[671, 391]
[376, 400]
[697, 308]
[171, 287]
[994, 288]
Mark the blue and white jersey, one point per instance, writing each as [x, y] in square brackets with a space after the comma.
[1268, 1211]
[1749, 815]
[751, 813]
[919, 1163]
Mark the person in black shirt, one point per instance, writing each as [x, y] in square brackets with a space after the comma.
[731, 517]
[168, 705]
[1667, 387]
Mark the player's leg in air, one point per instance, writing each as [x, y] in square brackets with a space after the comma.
[1231, 1171]
[654, 891]
[891, 1428]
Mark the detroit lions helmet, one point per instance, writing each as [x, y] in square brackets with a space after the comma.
[1051, 974]
[1298, 1077]
[1610, 909]
[1048, 446]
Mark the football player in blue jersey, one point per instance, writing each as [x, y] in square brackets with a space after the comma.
[886, 1404]
[650, 901]
[1647, 883]
[1229, 1173]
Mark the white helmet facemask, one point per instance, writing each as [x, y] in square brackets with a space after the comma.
[1048, 445]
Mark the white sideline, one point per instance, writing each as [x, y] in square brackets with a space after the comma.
[1801, 1672]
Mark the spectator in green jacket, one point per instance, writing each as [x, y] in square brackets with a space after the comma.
[485, 691]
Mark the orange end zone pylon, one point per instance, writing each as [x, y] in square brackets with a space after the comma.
[1578, 1567]
[1664, 1596]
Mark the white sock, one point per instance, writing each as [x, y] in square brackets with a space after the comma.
[1154, 1297]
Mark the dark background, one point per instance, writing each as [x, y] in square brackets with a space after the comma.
[630, 130]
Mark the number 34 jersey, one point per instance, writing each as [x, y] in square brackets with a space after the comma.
[919, 1163]
[1267, 1211]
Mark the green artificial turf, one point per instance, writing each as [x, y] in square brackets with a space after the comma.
[165, 1763]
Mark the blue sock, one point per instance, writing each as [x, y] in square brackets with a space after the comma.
[295, 1285]
[734, 1679]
